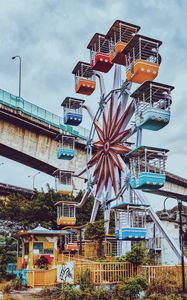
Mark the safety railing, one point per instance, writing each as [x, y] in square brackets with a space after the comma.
[40, 114]
[151, 273]
[105, 273]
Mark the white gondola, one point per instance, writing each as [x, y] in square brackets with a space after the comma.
[63, 181]
[66, 213]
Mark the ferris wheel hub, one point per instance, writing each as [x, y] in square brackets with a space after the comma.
[106, 147]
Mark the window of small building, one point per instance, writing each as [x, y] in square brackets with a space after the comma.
[38, 248]
[26, 248]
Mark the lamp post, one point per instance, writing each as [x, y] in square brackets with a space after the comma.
[33, 177]
[180, 237]
[19, 57]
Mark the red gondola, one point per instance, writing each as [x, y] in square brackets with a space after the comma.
[100, 53]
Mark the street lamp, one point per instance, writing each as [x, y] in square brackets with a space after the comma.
[33, 177]
[19, 57]
[165, 214]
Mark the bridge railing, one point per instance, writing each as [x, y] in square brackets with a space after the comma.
[40, 113]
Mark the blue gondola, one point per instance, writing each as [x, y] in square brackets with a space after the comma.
[147, 165]
[66, 154]
[66, 147]
[72, 111]
[130, 234]
[130, 223]
[152, 102]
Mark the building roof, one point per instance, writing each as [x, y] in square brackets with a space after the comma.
[39, 230]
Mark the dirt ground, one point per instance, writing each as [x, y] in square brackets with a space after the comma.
[25, 295]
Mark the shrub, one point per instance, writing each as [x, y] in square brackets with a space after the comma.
[164, 285]
[16, 284]
[137, 255]
[132, 288]
[70, 293]
[7, 288]
[84, 279]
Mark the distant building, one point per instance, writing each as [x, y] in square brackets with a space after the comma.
[155, 241]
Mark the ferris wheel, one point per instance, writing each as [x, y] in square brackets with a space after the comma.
[118, 169]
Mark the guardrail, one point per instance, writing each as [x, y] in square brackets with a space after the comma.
[105, 273]
[40, 113]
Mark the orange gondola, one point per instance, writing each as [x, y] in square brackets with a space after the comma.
[142, 58]
[85, 82]
[100, 53]
[120, 34]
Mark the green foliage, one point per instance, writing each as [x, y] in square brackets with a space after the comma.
[96, 231]
[7, 255]
[69, 293]
[137, 255]
[84, 279]
[41, 209]
[132, 287]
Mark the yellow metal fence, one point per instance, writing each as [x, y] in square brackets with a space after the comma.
[105, 273]
[154, 272]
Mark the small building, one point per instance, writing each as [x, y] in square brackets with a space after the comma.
[40, 250]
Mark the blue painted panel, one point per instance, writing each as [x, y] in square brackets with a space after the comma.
[153, 119]
[66, 154]
[23, 275]
[72, 119]
[150, 181]
[117, 234]
[130, 234]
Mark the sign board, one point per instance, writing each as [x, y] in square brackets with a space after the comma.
[65, 272]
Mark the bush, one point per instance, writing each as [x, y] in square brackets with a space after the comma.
[84, 279]
[132, 288]
[137, 255]
[70, 293]
[164, 285]
[7, 288]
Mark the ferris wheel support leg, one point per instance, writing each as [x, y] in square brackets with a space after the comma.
[107, 218]
[94, 210]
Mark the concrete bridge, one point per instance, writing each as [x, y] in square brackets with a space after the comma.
[27, 135]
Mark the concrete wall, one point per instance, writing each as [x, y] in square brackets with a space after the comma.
[167, 256]
[36, 150]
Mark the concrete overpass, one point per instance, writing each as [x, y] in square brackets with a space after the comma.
[27, 135]
[8, 189]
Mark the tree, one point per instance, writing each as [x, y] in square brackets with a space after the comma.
[137, 255]
[96, 231]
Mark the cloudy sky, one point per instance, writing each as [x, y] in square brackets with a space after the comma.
[52, 35]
